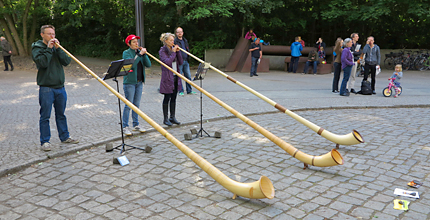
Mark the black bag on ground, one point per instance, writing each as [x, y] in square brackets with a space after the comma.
[366, 88]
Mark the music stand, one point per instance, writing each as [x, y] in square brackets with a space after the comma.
[120, 68]
[200, 75]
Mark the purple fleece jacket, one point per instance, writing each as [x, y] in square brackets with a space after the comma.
[347, 58]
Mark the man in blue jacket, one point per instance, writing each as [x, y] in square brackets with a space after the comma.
[295, 48]
[182, 42]
[50, 59]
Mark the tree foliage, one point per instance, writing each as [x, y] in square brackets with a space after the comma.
[99, 27]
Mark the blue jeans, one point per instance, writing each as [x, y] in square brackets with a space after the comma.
[48, 97]
[254, 65]
[185, 70]
[309, 63]
[294, 64]
[133, 93]
[346, 75]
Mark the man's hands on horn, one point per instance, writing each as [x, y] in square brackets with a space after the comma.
[53, 43]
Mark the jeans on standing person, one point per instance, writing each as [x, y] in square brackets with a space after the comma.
[133, 93]
[185, 70]
[48, 97]
[294, 64]
[254, 66]
[336, 76]
[372, 69]
[346, 75]
[307, 66]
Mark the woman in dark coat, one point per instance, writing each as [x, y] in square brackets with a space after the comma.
[169, 84]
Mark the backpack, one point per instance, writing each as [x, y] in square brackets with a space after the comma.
[366, 88]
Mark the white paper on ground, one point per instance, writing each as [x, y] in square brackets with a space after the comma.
[406, 193]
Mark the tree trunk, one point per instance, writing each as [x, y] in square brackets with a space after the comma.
[24, 26]
[12, 28]
[33, 26]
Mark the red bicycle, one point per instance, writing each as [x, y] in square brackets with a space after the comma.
[391, 88]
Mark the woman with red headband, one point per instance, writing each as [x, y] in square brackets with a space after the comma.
[133, 82]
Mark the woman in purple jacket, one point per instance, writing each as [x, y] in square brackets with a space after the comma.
[169, 84]
[347, 64]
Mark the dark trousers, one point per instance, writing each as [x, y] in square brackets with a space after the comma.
[336, 76]
[294, 64]
[7, 61]
[171, 97]
[372, 69]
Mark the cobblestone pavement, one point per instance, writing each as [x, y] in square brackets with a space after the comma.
[81, 182]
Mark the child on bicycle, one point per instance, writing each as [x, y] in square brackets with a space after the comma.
[397, 75]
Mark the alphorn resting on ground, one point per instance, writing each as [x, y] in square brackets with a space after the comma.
[331, 158]
[348, 139]
[263, 188]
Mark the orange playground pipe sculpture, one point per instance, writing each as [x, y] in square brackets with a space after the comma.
[263, 188]
[348, 139]
[331, 158]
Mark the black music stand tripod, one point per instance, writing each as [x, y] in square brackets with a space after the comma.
[116, 69]
[200, 75]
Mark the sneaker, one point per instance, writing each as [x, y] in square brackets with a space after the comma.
[192, 93]
[70, 141]
[181, 93]
[395, 96]
[46, 146]
[137, 128]
[127, 131]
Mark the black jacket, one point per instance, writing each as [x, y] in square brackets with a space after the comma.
[187, 47]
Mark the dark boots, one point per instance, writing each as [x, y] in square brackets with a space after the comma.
[165, 114]
[172, 114]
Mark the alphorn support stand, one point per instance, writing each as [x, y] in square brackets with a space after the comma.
[200, 75]
[116, 69]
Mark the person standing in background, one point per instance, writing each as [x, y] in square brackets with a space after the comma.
[356, 52]
[347, 64]
[256, 54]
[185, 67]
[7, 53]
[372, 60]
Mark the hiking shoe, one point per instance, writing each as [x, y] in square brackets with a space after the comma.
[192, 93]
[70, 141]
[46, 146]
[137, 128]
[127, 131]
[181, 93]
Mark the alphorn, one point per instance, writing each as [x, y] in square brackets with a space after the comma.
[348, 139]
[263, 188]
[331, 158]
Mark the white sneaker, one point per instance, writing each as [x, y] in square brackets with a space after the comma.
[46, 146]
[137, 128]
[127, 131]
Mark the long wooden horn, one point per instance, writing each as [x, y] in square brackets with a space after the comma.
[263, 188]
[332, 158]
[348, 139]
